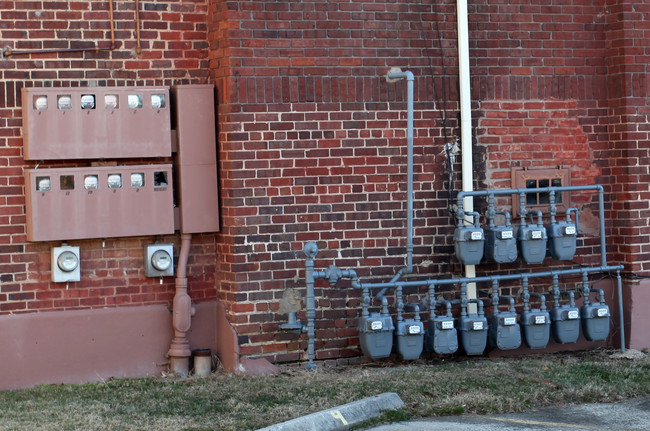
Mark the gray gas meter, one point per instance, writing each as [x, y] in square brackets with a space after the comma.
[441, 336]
[473, 331]
[500, 241]
[595, 318]
[409, 336]
[532, 240]
[469, 241]
[562, 237]
[565, 323]
[504, 331]
[537, 326]
[376, 335]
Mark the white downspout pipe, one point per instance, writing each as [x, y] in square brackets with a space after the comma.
[465, 124]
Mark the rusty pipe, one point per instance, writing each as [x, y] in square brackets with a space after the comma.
[182, 312]
[138, 47]
[8, 51]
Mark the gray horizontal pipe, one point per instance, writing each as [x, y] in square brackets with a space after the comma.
[519, 276]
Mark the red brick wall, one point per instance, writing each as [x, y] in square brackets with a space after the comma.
[312, 138]
[174, 50]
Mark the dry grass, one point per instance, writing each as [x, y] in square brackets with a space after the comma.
[227, 402]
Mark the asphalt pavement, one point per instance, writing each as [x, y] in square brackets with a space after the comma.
[632, 415]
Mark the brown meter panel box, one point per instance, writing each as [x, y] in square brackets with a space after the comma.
[66, 123]
[196, 158]
[99, 202]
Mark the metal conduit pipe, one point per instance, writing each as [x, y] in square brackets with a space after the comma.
[182, 312]
[394, 76]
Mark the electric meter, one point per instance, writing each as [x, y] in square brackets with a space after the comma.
[114, 181]
[87, 101]
[135, 101]
[110, 101]
[64, 101]
[67, 261]
[43, 184]
[137, 180]
[161, 260]
[157, 101]
[65, 264]
[91, 182]
[40, 103]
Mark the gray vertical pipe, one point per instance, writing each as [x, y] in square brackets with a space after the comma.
[409, 163]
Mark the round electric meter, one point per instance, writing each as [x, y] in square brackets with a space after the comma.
[91, 182]
[67, 261]
[157, 101]
[114, 181]
[161, 260]
[87, 101]
[44, 184]
[64, 101]
[137, 180]
[135, 101]
[40, 103]
[110, 101]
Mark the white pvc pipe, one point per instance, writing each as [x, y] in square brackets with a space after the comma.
[465, 121]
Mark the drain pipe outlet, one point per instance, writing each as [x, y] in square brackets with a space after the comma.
[179, 351]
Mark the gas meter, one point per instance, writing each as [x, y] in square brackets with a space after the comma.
[504, 331]
[595, 317]
[376, 335]
[441, 336]
[537, 324]
[409, 338]
[532, 239]
[473, 330]
[469, 241]
[562, 237]
[500, 241]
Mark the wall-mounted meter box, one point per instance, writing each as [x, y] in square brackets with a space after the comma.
[196, 158]
[99, 202]
[504, 331]
[376, 335]
[409, 339]
[537, 328]
[63, 123]
[473, 333]
[442, 336]
[565, 324]
[595, 321]
[65, 264]
[469, 242]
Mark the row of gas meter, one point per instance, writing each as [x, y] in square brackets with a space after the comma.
[499, 243]
[474, 331]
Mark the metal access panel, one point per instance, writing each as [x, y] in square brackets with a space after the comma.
[99, 202]
[196, 158]
[64, 123]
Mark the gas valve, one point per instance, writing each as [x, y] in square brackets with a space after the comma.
[469, 241]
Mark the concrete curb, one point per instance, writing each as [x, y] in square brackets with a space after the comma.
[343, 417]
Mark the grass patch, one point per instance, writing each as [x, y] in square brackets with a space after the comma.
[428, 388]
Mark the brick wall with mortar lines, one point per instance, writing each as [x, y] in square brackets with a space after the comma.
[312, 148]
[627, 59]
[174, 50]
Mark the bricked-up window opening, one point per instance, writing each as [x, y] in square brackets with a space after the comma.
[540, 178]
